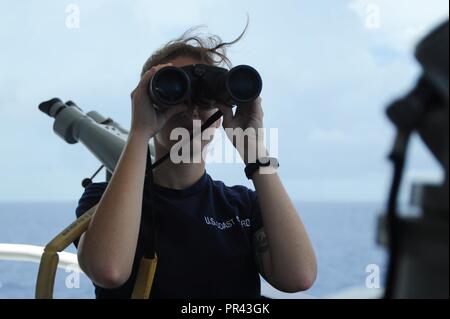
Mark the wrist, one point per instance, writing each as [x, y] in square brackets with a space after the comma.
[253, 151]
[139, 129]
[263, 166]
[138, 135]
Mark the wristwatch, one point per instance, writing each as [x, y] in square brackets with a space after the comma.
[251, 168]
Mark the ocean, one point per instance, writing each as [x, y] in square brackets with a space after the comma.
[343, 235]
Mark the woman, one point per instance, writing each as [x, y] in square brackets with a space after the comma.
[213, 241]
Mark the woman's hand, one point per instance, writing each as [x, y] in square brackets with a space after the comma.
[146, 119]
[249, 118]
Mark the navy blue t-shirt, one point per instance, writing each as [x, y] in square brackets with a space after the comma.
[204, 241]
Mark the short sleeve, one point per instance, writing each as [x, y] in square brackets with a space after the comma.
[256, 217]
[91, 196]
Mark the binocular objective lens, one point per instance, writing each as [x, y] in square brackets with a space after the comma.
[244, 84]
[171, 86]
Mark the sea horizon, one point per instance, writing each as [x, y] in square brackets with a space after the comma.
[343, 235]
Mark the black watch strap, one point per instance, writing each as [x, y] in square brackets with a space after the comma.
[251, 168]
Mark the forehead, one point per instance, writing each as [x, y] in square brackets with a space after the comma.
[183, 61]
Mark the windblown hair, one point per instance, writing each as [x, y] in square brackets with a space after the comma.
[209, 49]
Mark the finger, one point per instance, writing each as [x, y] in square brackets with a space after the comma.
[242, 110]
[258, 106]
[145, 79]
[247, 109]
[227, 115]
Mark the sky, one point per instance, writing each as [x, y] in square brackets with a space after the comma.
[330, 68]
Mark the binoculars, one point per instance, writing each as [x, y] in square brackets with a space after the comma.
[205, 86]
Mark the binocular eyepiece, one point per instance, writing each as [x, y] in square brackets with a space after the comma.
[205, 86]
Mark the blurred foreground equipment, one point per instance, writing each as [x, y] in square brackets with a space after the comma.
[419, 246]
